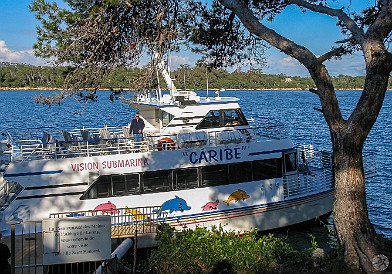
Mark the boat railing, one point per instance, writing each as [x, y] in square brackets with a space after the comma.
[87, 142]
[125, 221]
[315, 173]
[315, 180]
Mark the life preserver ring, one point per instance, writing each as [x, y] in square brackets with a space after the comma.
[166, 143]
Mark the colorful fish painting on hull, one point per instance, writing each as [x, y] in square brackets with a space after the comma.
[106, 208]
[136, 214]
[210, 206]
[236, 196]
[175, 204]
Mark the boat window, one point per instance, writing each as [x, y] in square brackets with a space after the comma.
[267, 169]
[226, 117]
[233, 117]
[102, 188]
[118, 182]
[155, 181]
[132, 183]
[214, 175]
[185, 178]
[211, 120]
[240, 172]
[166, 118]
[290, 161]
[125, 184]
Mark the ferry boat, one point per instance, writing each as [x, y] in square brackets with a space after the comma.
[200, 163]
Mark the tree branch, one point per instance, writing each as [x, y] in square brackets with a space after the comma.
[382, 26]
[344, 40]
[335, 52]
[357, 32]
[316, 69]
[319, 110]
[315, 91]
[240, 8]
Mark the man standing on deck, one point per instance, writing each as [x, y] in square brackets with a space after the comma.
[136, 128]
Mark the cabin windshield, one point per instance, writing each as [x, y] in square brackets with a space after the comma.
[165, 118]
[223, 118]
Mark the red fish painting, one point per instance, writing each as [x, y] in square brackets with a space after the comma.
[106, 208]
[210, 206]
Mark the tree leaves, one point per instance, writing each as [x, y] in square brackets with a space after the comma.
[220, 37]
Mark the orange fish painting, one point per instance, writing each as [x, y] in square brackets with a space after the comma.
[137, 215]
[236, 196]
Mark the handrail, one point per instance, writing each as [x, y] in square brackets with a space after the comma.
[25, 150]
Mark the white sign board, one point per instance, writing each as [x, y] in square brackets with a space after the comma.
[76, 239]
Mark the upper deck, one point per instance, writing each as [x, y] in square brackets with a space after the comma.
[50, 143]
[174, 121]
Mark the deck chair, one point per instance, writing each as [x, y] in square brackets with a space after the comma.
[106, 138]
[45, 137]
[104, 133]
[126, 133]
[86, 135]
[71, 141]
[48, 143]
[68, 137]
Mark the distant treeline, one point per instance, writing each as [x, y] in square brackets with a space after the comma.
[27, 76]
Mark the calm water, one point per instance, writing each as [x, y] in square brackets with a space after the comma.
[293, 108]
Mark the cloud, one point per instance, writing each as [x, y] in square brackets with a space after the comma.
[22, 56]
[279, 63]
[285, 65]
[176, 61]
[352, 65]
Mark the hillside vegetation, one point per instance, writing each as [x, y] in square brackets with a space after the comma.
[27, 76]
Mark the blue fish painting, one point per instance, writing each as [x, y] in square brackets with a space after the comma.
[175, 204]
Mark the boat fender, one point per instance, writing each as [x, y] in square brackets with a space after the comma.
[166, 143]
[248, 137]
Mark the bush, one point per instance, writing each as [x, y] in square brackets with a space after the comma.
[218, 251]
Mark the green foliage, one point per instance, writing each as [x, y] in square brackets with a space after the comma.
[218, 251]
[25, 76]
[200, 250]
[219, 36]
[313, 242]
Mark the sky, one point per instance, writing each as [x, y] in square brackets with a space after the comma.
[315, 31]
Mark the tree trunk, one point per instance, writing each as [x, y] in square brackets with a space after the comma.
[350, 214]
[356, 234]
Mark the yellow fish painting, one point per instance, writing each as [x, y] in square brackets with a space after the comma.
[236, 196]
[137, 215]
